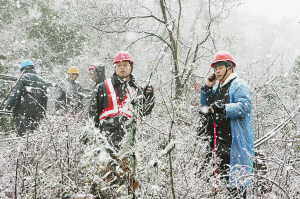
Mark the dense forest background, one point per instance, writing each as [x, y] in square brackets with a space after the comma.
[172, 44]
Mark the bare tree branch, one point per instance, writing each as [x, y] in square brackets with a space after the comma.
[143, 17]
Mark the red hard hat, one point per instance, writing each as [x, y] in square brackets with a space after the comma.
[122, 56]
[92, 67]
[223, 56]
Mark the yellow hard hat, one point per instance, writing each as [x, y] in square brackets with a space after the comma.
[73, 69]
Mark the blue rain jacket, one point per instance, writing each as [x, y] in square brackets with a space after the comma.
[242, 146]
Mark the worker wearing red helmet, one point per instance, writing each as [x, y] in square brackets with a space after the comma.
[97, 73]
[110, 101]
[229, 122]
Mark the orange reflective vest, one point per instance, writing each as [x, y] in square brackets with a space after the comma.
[114, 106]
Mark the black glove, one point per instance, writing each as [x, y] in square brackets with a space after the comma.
[148, 96]
[219, 107]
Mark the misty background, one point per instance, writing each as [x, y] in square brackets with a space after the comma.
[172, 43]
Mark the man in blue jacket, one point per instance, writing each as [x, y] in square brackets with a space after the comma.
[230, 105]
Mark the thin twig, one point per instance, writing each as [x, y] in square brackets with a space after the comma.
[35, 185]
[16, 179]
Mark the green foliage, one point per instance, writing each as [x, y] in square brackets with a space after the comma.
[296, 68]
[9, 10]
[6, 122]
[42, 30]
[2, 68]
[58, 40]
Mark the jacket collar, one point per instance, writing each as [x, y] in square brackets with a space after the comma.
[29, 70]
[117, 81]
[231, 77]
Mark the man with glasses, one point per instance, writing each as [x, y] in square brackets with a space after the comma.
[112, 101]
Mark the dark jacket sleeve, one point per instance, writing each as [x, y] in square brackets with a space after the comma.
[80, 95]
[101, 73]
[60, 95]
[79, 87]
[206, 96]
[16, 94]
[96, 103]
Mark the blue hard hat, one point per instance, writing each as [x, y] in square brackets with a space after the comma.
[26, 62]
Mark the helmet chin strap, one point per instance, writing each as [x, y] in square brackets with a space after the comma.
[227, 68]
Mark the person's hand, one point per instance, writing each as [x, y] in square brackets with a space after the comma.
[218, 107]
[149, 89]
[148, 92]
[211, 80]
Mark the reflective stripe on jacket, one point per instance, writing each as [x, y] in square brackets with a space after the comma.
[114, 106]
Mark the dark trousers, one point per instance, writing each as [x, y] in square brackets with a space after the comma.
[115, 139]
[24, 123]
[114, 128]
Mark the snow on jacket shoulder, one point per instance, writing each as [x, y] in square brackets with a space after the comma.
[239, 112]
[29, 96]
